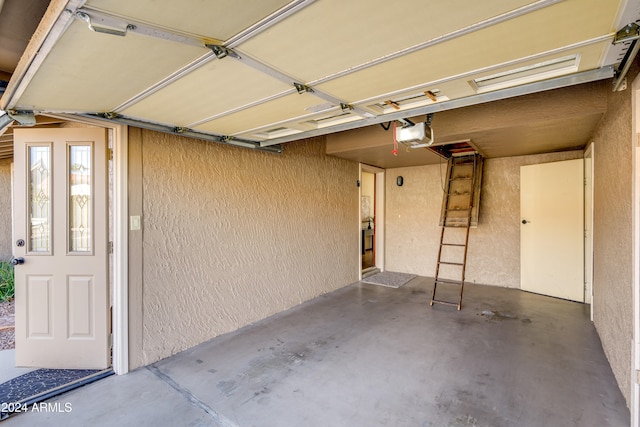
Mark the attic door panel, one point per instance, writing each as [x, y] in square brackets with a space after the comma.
[92, 72]
[458, 194]
[219, 19]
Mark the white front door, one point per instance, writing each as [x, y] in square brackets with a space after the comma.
[60, 211]
[552, 229]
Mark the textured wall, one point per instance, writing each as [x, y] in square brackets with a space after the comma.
[232, 236]
[5, 209]
[612, 236]
[413, 213]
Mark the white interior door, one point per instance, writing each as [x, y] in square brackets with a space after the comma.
[62, 299]
[552, 229]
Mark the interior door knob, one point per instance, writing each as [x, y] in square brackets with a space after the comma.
[17, 261]
[524, 221]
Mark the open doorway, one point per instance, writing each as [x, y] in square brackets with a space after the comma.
[368, 215]
[371, 219]
[91, 190]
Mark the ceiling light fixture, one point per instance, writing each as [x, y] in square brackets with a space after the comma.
[527, 74]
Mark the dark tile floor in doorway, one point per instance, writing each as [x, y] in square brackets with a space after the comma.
[367, 259]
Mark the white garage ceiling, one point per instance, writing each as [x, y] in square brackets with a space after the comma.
[264, 73]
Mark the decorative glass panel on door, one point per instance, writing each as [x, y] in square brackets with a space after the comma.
[80, 198]
[39, 198]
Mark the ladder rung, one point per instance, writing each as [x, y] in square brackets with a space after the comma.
[458, 209]
[457, 226]
[450, 263]
[453, 244]
[462, 178]
[437, 301]
[466, 193]
[454, 282]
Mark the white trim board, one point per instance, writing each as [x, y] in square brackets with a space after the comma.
[589, 153]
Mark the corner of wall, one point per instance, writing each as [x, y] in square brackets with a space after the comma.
[612, 234]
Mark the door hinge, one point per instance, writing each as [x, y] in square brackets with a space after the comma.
[110, 247]
[637, 377]
[109, 154]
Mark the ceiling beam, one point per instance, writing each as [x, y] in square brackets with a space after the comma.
[189, 133]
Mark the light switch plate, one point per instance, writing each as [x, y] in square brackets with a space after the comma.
[134, 223]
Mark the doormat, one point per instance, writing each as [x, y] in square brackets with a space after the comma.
[21, 393]
[389, 279]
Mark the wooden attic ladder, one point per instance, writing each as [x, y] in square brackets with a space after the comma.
[465, 173]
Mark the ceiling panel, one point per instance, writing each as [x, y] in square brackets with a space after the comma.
[538, 138]
[334, 35]
[269, 113]
[307, 122]
[545, 31]
[219, 19]
[455, 88]
[218, 86]
[93, 72]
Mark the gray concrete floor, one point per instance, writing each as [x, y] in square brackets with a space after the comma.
[7, 363]
[373, 356]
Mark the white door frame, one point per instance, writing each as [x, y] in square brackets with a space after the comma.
[119, 274]
[380, 219]
[589, 153]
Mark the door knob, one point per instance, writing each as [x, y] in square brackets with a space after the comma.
[524, 221]
[17, 261]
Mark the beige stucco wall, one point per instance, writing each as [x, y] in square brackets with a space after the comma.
[231, 236]
[413, 213]
[5, 209]
[612, 236]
